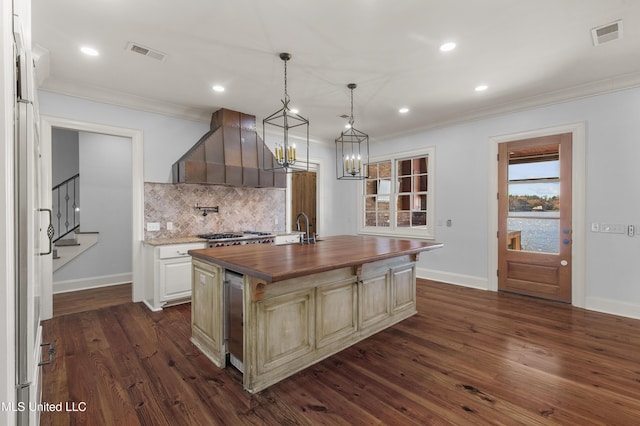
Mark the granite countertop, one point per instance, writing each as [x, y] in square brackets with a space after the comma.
[194, 239]
[170, 241]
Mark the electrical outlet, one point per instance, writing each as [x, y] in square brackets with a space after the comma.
[153, 226]
[275, 219]
[595, 227]
[631, 230]
[169, 226]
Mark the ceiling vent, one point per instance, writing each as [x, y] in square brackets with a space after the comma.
[146, 51]
[606, 33]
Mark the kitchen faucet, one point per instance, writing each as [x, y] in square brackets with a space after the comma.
[304, 239]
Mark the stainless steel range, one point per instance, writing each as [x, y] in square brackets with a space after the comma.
[237, 238]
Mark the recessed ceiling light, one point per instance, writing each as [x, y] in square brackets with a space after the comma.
[403, 110]
[446, 47]
[218, 88]
[90, 51]
[481, 88]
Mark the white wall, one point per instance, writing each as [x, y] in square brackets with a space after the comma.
[64, 155]
[166, 138]
[105, 207]
[462, 172]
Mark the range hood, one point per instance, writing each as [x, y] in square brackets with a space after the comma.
[231, 153]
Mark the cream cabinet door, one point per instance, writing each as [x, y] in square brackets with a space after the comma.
[207, 311]
[403, 288]
[373, 298]
[336, 311]
[285, 329]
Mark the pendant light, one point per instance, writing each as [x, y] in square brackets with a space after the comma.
[352, 150]
[276, 130]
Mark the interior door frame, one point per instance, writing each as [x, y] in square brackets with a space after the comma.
[578, 206]
[137, 187]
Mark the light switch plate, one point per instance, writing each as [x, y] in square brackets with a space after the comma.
[153, 226]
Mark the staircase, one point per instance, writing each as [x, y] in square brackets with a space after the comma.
[73, 245]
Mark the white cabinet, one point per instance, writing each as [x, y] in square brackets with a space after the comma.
[168, 274]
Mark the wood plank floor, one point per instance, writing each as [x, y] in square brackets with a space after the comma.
[87, 300]
[468, 357]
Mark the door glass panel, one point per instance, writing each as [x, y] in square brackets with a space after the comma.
[533, 222]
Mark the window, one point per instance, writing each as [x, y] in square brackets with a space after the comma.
[397, 196]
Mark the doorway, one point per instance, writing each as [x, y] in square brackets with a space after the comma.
[137, 186]
[578, 202]
[303, 198]
[534, 217]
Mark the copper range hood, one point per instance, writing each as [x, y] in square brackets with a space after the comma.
[229, 154]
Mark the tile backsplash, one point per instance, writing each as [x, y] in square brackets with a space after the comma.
[240, 209]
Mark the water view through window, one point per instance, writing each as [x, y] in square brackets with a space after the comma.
[533, 222]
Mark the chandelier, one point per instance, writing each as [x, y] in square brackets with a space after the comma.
[286, 156]
[352, 150]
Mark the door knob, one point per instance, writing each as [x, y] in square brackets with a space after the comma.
[564, 262]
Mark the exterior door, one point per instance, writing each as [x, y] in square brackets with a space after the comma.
[534, 226]
[303, 198]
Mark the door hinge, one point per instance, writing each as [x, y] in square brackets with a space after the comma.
[498, 272]
[497, 157]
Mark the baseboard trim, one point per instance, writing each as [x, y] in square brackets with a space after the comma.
[93, 282]
[150, 306]
[613, 307]
[480, 283]
[605, 306]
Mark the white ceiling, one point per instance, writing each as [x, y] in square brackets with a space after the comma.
[528, 52]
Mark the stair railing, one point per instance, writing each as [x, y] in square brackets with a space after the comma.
[66, 207]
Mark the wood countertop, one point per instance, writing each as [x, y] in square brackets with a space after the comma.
[273, 263]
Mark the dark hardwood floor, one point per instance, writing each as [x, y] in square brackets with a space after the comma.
[468, 357]
[87, 300]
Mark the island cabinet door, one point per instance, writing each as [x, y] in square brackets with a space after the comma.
[336, 312]
[285, 330]
[403, 288]
[207, 311]
[374, 293]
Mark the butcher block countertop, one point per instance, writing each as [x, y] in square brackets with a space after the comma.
[273, 263]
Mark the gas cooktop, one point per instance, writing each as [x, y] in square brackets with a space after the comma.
[220, 236]
[235, 235]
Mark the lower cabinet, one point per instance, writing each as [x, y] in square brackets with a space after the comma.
[290, 325]
[373, 299]
[286, 329]
[336, 311]
[168, 274]
[403, 288]
[293, 324]
[207, 311]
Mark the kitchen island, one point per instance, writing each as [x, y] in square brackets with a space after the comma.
[301, 303]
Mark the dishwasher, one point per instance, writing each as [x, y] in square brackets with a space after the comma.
[234, 282]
